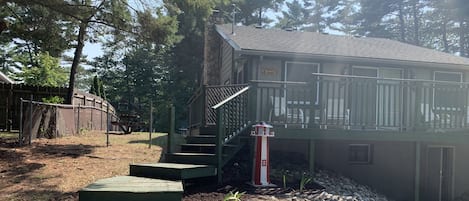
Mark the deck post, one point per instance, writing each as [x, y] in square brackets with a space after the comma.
[417, 171]
[252, 101]
[172, 125]
[311, 148]
[219, 145]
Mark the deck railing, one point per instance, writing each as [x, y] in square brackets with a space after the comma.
[232, 120]
[200, 105]
[355, 102]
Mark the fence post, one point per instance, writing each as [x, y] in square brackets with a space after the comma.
[78, 120]
[21, 123]
[91, 117]
[107, 131]
[151, 123]
[30, 119]
[219, 143]
[172, 122]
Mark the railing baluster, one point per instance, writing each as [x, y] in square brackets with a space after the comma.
[333, 102]
[326, 113]
[345, 103]
[465, 104]
[424, 102]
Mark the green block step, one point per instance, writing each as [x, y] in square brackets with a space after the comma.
[132, 188]
[172, 171]
[208, 139]
[204, 148]
[192, 158]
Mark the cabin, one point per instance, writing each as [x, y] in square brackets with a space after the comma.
[388, 114]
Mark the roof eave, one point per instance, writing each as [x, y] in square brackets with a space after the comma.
[351, 59]
[5, 78]
[227, 39]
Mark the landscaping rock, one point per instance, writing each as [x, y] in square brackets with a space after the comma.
[337, 188]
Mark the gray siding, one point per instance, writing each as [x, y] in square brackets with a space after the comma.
[226, 64]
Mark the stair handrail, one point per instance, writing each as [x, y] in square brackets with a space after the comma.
[232, 119]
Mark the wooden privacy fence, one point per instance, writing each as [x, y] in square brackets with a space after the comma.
[11, 95]
[42, 120]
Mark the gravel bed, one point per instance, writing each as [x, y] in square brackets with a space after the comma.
[336, 188]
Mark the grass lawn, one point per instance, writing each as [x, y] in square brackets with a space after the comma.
[55, 169]
[7, 135]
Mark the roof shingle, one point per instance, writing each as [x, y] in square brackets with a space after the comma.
[296, 42]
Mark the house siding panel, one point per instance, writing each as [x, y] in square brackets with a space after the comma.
[390, 172]
[270, 69]
[226, 64]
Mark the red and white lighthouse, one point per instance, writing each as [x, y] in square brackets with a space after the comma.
[260, 173]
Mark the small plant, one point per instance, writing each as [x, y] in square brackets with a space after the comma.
[233, 196]
[305, 180]
[284, 178]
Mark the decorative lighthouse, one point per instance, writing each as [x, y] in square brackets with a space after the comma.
[260, 173]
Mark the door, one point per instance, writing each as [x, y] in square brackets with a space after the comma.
[299, 97]
[439, 174]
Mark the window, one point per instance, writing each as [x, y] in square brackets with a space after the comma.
[443, 91]
[300, 71]
[360, 153]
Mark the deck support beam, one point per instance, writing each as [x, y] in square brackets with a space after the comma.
[311, 148]
[417, 171]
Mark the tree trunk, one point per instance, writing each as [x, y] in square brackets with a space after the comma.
[415, 12]
[76, 60]
[462, 41]
[401, 21]
[445, 33]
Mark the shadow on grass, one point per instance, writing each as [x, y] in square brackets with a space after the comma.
[68, 150]
[157, 141]
[47, 195]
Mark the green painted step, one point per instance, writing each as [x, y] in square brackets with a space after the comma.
[210, 130]
[172, 171]
[132, 188]
[192, 158]
[204, 148]
[208, 139]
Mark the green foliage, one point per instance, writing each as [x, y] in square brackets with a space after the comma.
[305, 180]
[53, 99]
[236, 196]
[47, 72]
[296, 16]
[97, 87]
[284, 180]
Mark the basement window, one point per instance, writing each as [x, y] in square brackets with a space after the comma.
[360, 153]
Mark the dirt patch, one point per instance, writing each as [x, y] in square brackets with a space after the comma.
[55, 169]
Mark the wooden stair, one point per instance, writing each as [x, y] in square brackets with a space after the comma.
[163, 181]
[172, 171]
[132, 188]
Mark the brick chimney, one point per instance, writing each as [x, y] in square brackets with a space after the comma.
[212, 63]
